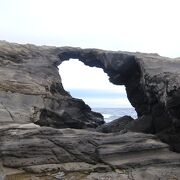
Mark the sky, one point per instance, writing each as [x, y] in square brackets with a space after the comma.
[92, 85]
[129, 25]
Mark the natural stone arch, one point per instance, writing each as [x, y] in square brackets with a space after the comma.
[140, 75]
[152, 85]
[122, 69]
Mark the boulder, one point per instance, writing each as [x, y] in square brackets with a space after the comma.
[142, 124]
[116, 125]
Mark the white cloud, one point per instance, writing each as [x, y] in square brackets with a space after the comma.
[75, 75]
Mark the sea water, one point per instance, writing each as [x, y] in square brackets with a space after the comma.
[110, 114]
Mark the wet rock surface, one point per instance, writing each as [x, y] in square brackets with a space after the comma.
[45, 133]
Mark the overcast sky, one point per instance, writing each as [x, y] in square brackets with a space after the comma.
[130, 25]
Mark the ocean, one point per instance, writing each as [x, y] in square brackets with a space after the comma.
[114, 113]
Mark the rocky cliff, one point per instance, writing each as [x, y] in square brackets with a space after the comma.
[31, 90]
[35, 109]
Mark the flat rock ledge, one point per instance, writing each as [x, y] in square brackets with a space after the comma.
[29, 151]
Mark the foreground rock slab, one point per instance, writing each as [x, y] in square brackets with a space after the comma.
[44, 152]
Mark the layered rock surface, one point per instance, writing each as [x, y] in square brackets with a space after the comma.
[31, 90]
[32, 96]
[46, 152]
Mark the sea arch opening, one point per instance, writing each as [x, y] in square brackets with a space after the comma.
[91, 84]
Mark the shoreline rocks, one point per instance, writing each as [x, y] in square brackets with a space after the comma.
[116, 125]
[45, 133]
[54, 152]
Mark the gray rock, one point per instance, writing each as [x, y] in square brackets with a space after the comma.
[142, 124]
[30, 79]
[73, 153]
[107, 175]
[31, 90]
[116, 125]
[152, 84]
[135, 150]
[32, 96]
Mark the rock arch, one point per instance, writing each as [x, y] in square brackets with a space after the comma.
[151, 81]
[92, 85]
[31, 89]
[121, 68]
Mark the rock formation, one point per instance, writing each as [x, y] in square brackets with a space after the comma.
[31, 90]
[152, 84]
[80, 154]
[117, 125]
[45, 133]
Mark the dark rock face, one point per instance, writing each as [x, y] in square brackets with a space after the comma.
[31, 90]
[116, 125]
[79, 116]
[143, 124]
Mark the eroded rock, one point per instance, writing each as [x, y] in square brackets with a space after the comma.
[32, 96]
[152, 84]
[50, 152]
[31, 90]
[116, 125]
